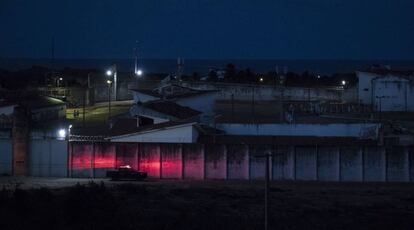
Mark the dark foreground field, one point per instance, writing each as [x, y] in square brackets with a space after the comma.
[208, 205]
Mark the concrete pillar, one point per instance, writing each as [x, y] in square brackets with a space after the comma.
[193, 161]
[305, 163]
[258, 164]
[215, 161]
[105, 158]
[20, 135]
[237, 162]
[397, 163]
[411, 159]
[150, 159]
[171, 165]
[351, 164]
[283, 163]
[328, 163]
[81, 159]
[126, 155]
[374, 163]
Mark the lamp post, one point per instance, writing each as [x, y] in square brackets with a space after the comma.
[109, 82]
[139, 73]
[113, 72]
[343, 83]
[59, 80]
[268, 157]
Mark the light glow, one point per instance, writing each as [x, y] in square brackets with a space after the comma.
[139, 72]
[109, 72]
[125, 166]
[62, 133]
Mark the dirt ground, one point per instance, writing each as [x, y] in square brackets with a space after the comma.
[51, 203]
[96, 115]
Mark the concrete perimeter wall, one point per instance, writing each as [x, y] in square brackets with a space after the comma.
[48, 158]
[198, 161]
[266, 92]
[6, 153]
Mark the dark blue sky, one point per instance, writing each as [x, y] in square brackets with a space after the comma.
[286, 29]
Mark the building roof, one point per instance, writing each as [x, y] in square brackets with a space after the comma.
[388, 71]
[183, 92]
[129, 126]
[155, 93]
[283, 140]
[172, 109]
[5, 103]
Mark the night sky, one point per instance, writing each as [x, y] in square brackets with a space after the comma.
[284, 29]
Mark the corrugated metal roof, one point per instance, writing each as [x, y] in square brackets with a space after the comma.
[172, 109]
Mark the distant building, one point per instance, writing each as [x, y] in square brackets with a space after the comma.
[38, 108]
[200, 100]
[386, 90]
[167, 132]
[6, 108]
[26, 121]
[6, 114]
[44, 109]
[163, 111]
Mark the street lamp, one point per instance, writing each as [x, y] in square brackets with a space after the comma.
[261, 79]
[109, 82]
[61, 134]
[343, 82]
[139, 72]
[113, 72]
[59, 80]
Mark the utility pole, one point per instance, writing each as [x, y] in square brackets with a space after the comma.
[267, 155]
[84, 105]
[180, 63]
[115, 83]
[89, 80]
[215, 126]
[253, 112]
[136, 58]
[380, 106]
[109, 82]
[232, 107]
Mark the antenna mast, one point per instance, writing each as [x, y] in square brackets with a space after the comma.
[136, 58]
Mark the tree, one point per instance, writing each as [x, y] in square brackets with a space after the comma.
[212, 76]
[230, 74]
[195, 76]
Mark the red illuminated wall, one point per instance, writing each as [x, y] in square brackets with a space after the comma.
[216, 163]
[81, 160]
[209, 161]
[104, 158]
[171, 161]
[149, 159]
[127, 154]
[193, 158]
